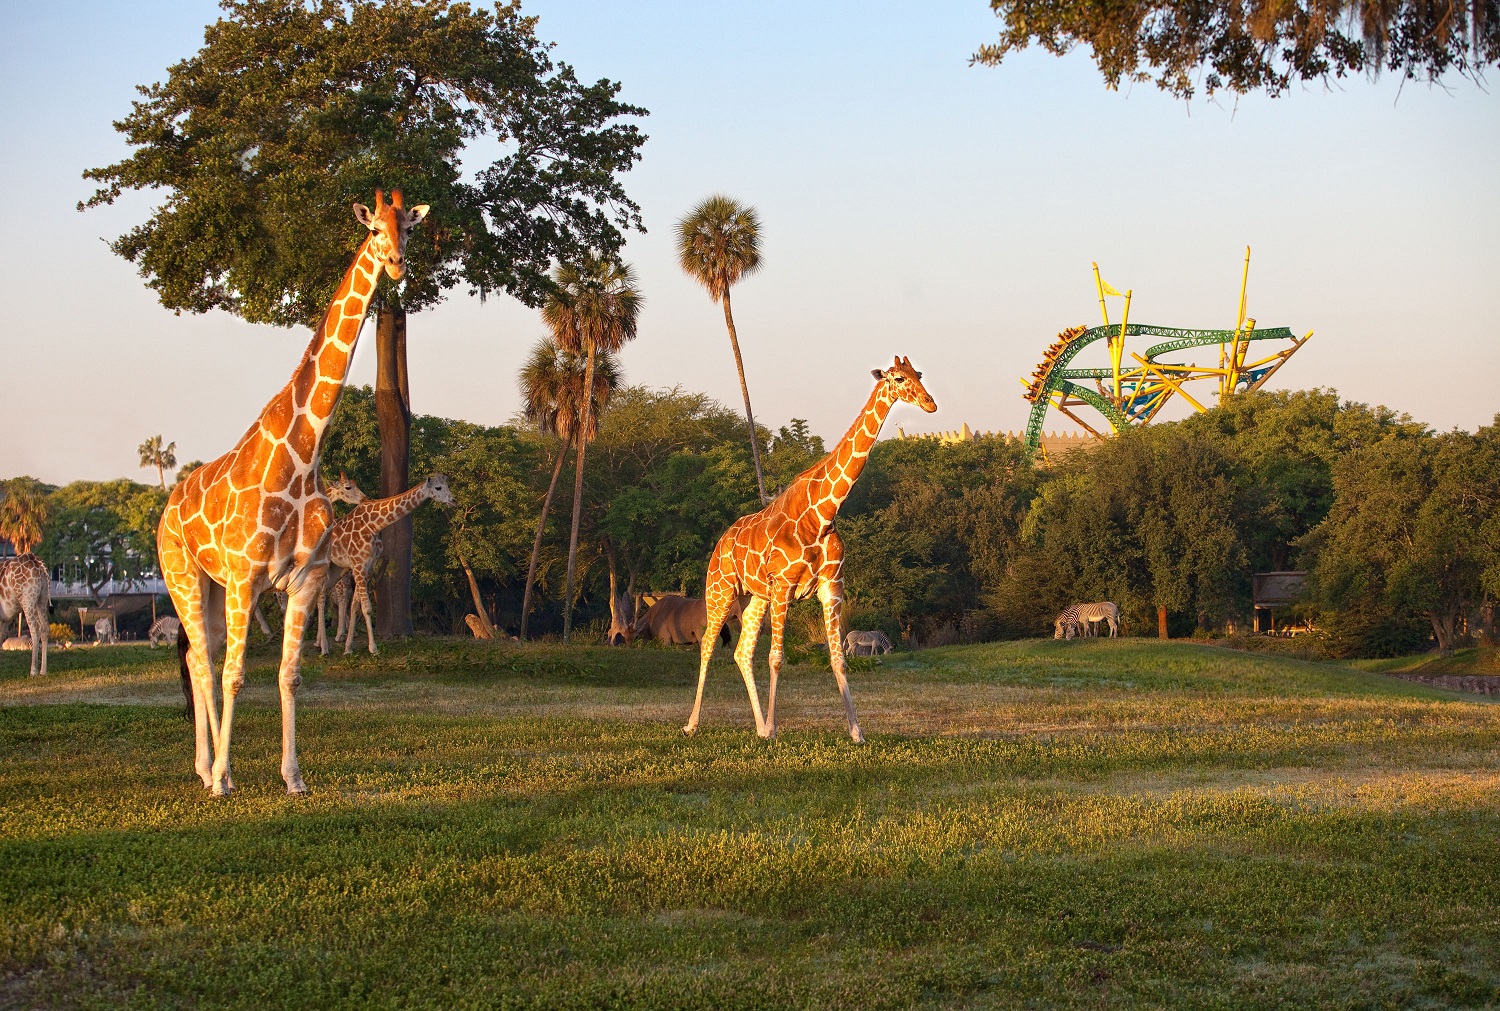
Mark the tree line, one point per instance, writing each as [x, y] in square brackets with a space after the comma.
[1397, 525]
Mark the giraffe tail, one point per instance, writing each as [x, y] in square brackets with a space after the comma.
[187, 678]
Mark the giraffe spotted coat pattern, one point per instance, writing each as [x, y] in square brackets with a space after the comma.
[26, 588]
[354, 546]
[256, 519]
[790, 550]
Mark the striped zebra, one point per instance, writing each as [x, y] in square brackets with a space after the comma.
[858, 643]
[1078, 619]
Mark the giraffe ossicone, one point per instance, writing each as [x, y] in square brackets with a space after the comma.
[790, 550]
[257, 518]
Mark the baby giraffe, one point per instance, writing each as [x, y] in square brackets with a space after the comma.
[790, 550]
[354, 546]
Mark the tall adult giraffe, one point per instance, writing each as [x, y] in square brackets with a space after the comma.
[256, 519]
[789, 550]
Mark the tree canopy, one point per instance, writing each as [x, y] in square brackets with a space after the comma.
[294, 109]
[1258, 45]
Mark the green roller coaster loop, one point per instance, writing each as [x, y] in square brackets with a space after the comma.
[1137, 402]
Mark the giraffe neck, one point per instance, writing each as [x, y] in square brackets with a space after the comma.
[300, 414]
[386, 511]
[842, 467]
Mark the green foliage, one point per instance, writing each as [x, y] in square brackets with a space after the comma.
[1255, 46]
[102, 530]
[672, 475]
[58, 632]
[24, 512]
[929, 526]
[294, 110]
[794, 449]
[1411, 529]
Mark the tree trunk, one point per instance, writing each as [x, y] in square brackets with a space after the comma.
[583, 440]
[161, 476]
[1161, 622]
[620, 614]
[1442, 628]
[739, 365]
[536, 546]
[479, 608]
[393, 412]
[1487, 622]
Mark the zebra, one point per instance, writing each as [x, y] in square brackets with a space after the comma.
[858, 643]
[164, 631]
[1079, 618]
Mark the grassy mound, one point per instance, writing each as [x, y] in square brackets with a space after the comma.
[1102, 824]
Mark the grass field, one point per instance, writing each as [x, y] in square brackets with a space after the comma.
[1100, 824]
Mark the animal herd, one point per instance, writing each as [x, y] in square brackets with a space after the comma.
[259, 519]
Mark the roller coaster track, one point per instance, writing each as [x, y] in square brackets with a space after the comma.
[1053, 379]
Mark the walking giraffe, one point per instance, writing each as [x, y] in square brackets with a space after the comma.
[789, 550]
[354, 545]
[26, 588]
[256, 519]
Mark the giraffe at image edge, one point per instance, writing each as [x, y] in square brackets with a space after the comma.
[256, 519]
[790, 550]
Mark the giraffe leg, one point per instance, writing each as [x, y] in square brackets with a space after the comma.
[831, 594]
[717, 601]
[289, 678]
[744, 655]
[366, 606]
[780, 600]
[239, 603]
[322, 626]
[36, 618]
[188, 587]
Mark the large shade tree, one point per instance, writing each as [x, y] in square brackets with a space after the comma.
[718, 243]
[552, 395]
[295, 109]
[1259, 45]
[592, 310]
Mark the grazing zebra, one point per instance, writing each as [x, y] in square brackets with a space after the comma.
[1079, 618]
[164, 631]
[858, 643]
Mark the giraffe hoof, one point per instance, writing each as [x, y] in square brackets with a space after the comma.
[689, 730]
[297, 788]
[856, 736]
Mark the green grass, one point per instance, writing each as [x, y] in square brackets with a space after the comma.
[1113, 824]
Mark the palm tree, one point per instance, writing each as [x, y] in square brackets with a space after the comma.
[717, 244]
[23, 513]
[154, 454]
[552, 382]
[593, 309]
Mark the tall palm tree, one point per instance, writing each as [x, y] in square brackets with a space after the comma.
[154, 454]
[717, 244]
[593, 309]
[23, 513]
[552, 383]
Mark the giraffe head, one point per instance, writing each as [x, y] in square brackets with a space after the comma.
[345, 490]
[390, 225]
[905, 383]
[437, 489]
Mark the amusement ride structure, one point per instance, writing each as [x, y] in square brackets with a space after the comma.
[1133, 392]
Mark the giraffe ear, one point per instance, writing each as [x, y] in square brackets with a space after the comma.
[364, 216]
[877, 373]
[415, 215]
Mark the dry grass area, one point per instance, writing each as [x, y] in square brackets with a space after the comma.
[1122, 824]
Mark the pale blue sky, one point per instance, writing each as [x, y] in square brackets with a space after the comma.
[911, 204]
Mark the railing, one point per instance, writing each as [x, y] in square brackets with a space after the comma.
[63, 590]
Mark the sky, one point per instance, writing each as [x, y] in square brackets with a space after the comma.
[911, 205]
